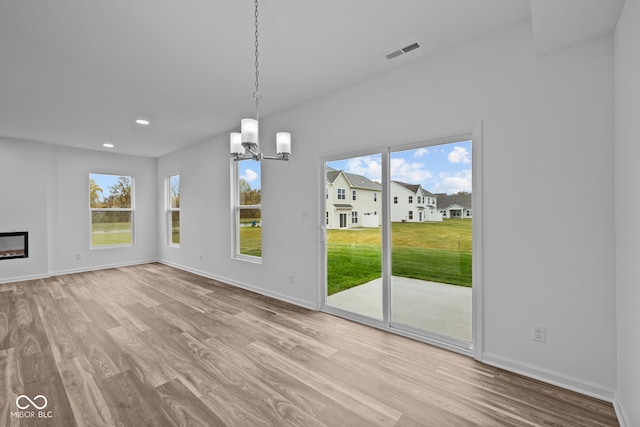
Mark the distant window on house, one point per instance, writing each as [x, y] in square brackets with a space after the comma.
[395, 200]
[111, 208]
[410, 214]
[410, 199]
[342, 194]
[354, 217]
[326, 193]
[327, 217]
[375, 197]
[353, 194]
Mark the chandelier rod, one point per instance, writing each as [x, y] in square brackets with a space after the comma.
[256, 94]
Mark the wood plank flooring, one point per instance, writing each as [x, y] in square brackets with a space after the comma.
[151, 345]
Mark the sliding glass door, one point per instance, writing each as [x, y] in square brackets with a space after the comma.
[399, 240]
[353, 204]
[431, 247]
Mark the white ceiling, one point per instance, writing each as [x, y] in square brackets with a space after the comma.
[78, 72]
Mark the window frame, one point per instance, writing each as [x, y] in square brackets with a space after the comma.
[131, 209]
[236, 207]
[171, 209]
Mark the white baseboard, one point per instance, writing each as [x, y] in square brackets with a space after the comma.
[262, 291]
[101, 267]
[75, 270]
[23, 278]
[618, 405]
[578, 385]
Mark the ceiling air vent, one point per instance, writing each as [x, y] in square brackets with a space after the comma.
[406, 49]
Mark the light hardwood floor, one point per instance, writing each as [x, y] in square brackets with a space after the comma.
[152, 345]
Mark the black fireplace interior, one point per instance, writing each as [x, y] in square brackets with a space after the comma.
[14, 245]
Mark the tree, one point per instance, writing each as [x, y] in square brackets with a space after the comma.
[120, 193]
[175, 191]
[94, 197]
[248, 196]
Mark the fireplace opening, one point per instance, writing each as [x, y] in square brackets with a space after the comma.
[14, 245]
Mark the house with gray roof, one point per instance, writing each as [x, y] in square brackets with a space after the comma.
[412, 203]
[455, 205]
[352, 200]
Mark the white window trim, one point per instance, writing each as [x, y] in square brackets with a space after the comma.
[170, 211]
[131, 209]
[235, 217]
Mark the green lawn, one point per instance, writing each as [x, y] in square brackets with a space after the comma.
[438, 251]
[111, 233]
[251, 241]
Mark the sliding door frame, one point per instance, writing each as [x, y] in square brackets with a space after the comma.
[474, 349]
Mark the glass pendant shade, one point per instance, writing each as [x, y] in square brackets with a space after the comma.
[249, 129]
[283, 143]
[236, 144]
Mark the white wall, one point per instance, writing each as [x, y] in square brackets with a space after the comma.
[548, 139]
[45, 192]
[627, 204]
[24, 174]
[69, 209]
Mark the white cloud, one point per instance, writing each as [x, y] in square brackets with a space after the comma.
[420, 152]
[452, 183]
[411, 173]
[249, 175]
[459, 155]
[366, 166]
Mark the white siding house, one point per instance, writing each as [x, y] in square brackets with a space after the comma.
[352, 200]
[412, 203]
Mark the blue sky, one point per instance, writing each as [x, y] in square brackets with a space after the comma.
[104, 181]
[249, 170]
[442, 168]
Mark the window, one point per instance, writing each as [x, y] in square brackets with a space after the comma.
[395, 200]
[354, 217]
[248, 209]
[111, 210]
[419, 199]
[410, 199]
[353, 194]
[326, 193]
[341, 194]
[327, 217]
[375, 197]
[410, 214]
[173, 209]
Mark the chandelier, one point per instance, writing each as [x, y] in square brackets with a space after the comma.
[244, 144]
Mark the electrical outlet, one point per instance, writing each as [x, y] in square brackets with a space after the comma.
[290, 278]
[78, 257]
[539, 333]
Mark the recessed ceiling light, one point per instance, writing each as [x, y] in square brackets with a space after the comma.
[108, 145]
[143, 122]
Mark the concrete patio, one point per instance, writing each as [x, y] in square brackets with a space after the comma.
[437, 307]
